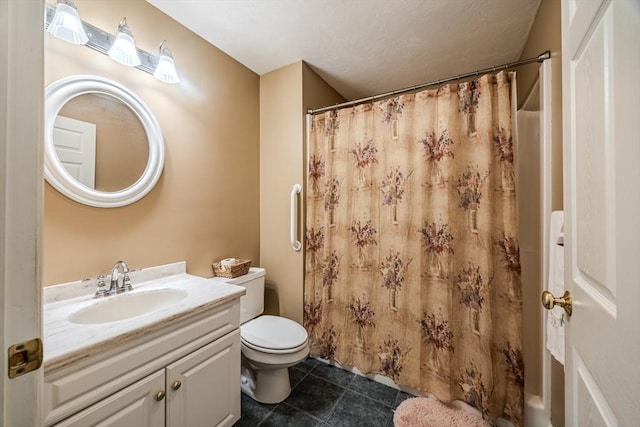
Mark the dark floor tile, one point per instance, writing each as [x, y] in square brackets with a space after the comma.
[295, 376]
[390, 423]
[315, 396]
[308, 364]
[374, 390]
[401, 397]
[252, 412]
[354, 409]
[287, 416]
[333, 374]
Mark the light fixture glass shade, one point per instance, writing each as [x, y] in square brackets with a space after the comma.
[123, 49]
[166, 69]
[66, 24]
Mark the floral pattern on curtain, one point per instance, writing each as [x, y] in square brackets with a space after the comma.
[411, 257]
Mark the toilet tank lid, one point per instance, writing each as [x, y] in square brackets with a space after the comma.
[254, 273]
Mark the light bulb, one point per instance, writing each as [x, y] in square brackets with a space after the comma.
[166, 69]
[66, 24]
[123, 49]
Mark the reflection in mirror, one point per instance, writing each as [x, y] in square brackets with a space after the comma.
[89, 110]
[100, 141]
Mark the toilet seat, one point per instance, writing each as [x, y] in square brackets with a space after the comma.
[274, 335]
[272, 351]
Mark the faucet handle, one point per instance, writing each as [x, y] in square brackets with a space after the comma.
[102, 287]
[126, 282]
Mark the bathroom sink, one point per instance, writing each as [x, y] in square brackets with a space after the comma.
[127, 306]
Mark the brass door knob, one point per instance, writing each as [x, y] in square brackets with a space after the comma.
[176, 385]
[160, 395]
[549, 301]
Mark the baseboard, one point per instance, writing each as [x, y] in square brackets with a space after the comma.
[535, 414]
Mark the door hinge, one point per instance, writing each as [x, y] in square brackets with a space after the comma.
[25, 357]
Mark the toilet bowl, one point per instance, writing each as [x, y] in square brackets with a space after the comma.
[269, 344]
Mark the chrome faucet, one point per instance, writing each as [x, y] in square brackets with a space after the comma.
[114, 288]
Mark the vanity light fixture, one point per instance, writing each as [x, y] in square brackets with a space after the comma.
[123, 49]
[120, 47]
[66, 24]
[166, 69]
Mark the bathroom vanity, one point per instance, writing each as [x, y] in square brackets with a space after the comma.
[177, 364]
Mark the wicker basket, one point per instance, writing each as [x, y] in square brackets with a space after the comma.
[240, 268]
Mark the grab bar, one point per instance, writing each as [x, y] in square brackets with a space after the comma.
[295, 243]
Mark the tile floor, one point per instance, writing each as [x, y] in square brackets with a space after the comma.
[323, 395]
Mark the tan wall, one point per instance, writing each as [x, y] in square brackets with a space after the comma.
[206, 204]
[285, 94]
[281, 136]
[316, 93]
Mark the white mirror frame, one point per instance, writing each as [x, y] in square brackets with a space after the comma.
[59, 93]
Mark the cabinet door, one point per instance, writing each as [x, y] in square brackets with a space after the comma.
[203, 388]
[135, 405]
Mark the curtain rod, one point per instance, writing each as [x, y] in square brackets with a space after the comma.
[540, 58]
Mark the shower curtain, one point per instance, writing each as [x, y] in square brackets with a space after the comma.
[411, 256]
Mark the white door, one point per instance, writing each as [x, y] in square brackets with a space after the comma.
[75, 143]
[21, 185]
[601, 114]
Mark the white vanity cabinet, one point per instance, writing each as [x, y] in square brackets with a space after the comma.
[136, 405]
[184, 374]
[203, 388]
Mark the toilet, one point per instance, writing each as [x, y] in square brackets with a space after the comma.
[269, 344]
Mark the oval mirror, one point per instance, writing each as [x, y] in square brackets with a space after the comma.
[103, 145]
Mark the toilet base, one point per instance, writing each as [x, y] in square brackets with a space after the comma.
[265, 376]
[266, 385]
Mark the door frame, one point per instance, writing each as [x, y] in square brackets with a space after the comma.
[21, 194]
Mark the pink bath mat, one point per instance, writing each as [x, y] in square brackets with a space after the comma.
[426, 412]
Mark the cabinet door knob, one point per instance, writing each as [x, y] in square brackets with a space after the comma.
[176, 385]
[160, 395]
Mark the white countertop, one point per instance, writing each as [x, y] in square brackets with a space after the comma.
[65, 341]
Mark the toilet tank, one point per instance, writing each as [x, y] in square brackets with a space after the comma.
[252, 303]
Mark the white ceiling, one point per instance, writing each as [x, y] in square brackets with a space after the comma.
[362, 47]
